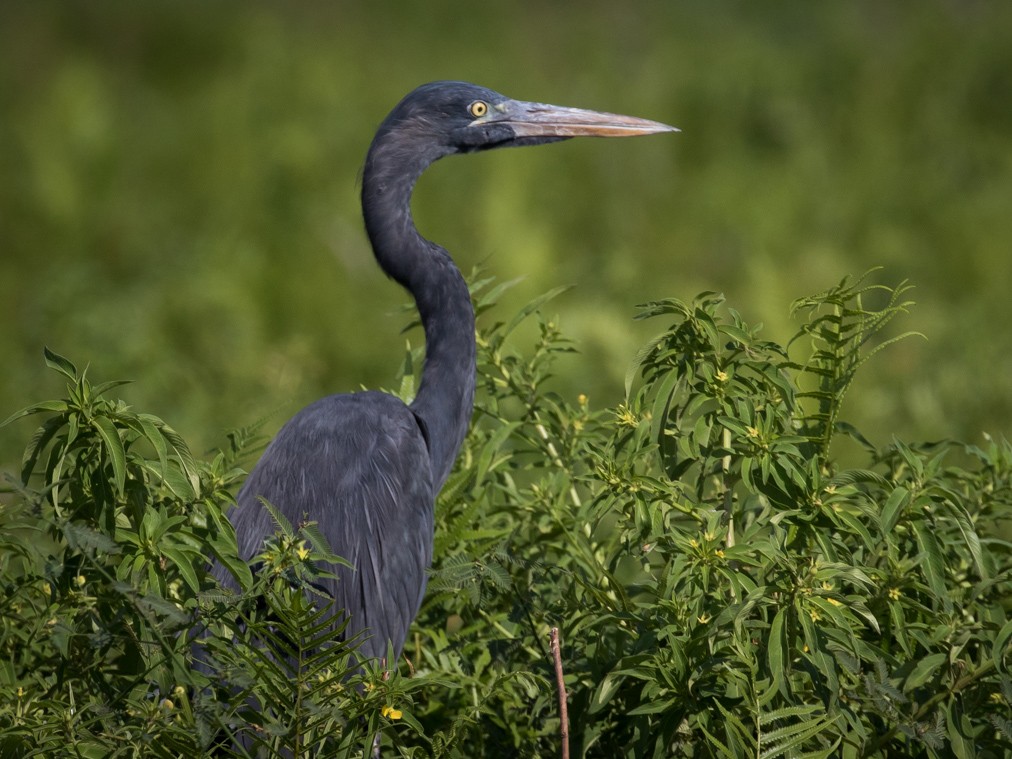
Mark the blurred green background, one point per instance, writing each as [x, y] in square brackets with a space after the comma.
[178, 196]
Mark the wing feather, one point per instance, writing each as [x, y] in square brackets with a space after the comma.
[357, 465]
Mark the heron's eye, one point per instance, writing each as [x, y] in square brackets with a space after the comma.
[478, 108]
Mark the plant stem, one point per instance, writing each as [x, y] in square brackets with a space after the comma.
[563, 711]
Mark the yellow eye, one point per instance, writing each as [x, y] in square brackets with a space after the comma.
[478, 108]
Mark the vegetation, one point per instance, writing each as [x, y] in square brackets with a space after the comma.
[723, 585]
[745, 553]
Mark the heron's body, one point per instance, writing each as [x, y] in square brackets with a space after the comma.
[365, 466]
[379, 482]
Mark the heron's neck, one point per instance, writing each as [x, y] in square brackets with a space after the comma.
[445, 398]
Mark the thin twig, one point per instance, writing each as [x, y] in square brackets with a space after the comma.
[556, 459]
[563, 711]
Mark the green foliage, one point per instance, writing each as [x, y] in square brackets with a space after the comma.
[103, 563]
[724, 586]
[101, 560]
[286, 686]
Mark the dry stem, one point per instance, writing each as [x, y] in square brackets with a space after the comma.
[563, 710]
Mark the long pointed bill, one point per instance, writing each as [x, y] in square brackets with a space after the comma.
[543, 120]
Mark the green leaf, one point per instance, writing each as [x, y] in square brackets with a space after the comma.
[652, 707]
[737, 334]
[605, 690]
[791, 737]
[662, 403]
[721, 749]
[225, 552]
[894, 505]
[491, 448]
[899, 626]
[533, 306]
[932, 561]
[492, 296]
[732, 721]
[184, 563]
[82, 538]
[1000, 646]
[923, 671]
[856, 526]
[965, 524]
[776, 651]
[182, 451]
[59, 363]
[114, 450]
[107, 386]
[177, 482]
[959, 732]
[42, 437]
[279, 519]
[54, 406]
[143, 425]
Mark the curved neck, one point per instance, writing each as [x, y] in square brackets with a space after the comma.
[445, 397]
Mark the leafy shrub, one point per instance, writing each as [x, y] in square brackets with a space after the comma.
[103, 564]
[724, 586]
[96, 561]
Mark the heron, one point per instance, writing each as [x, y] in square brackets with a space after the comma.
[365, 466]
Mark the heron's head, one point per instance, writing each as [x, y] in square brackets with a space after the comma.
[441, 118]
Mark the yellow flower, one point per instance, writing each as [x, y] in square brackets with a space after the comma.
[179, 691]
[815, 615]
[581, 399]
[302, 551]
[21, 693]
[752, 431]
[390, 713]
[827, 585]
[80, 581]
[703, 618]
[721, 375]
[894, 594]
[167, 705]
[47, 588]
[626, 418]
[834, 602]
[719, 553]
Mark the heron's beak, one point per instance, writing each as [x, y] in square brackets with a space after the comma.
[542, 120]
